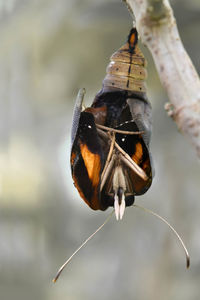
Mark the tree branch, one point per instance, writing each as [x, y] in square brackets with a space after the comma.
[157, 27]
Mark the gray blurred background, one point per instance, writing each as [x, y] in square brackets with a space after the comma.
[48, 50]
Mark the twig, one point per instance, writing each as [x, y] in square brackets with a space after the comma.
[158, 30]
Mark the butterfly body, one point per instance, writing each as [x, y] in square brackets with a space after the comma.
[110, 159]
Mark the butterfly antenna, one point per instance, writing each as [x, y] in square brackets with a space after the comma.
[79, 248]
[170, 226]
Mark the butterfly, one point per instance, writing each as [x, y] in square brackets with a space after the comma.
[110, 158]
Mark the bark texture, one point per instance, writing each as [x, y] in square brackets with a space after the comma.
[157, 27]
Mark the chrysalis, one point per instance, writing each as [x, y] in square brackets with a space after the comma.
[110, 158]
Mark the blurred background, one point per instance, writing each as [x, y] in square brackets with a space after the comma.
[48, 50]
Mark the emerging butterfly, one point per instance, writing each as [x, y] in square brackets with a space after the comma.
[110, 158]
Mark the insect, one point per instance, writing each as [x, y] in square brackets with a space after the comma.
[110, 158]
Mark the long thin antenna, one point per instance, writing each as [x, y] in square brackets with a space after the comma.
[83, 244]
[108, 157]
[139, 171]
[118, 130]
[170, 226]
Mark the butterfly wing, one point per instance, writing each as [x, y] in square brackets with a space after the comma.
[87, 161]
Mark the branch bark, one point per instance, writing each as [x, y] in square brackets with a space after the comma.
[157, 27]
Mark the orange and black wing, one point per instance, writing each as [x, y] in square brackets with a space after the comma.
[136, 148]
[87, 161]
